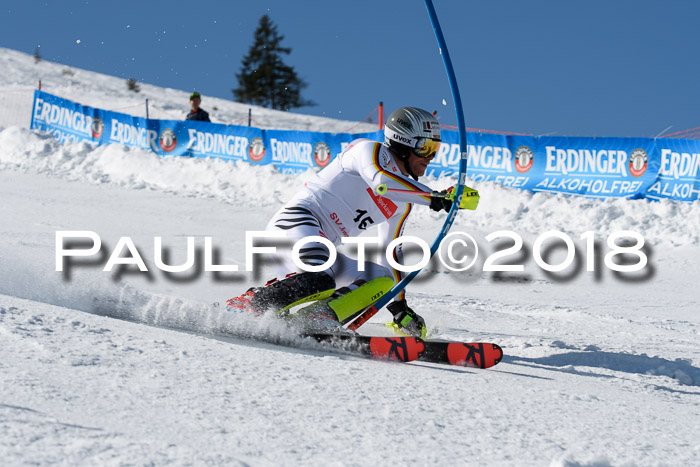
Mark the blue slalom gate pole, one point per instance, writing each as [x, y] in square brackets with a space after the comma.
[459, 189]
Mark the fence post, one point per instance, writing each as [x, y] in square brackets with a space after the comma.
[381, 115]
[146, 109]
[39, 85]
[250, 115]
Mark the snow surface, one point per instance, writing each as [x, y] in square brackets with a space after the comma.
[100, 368]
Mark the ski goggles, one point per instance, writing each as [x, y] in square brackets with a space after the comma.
[426, 147]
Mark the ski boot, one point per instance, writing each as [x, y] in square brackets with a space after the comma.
[344, 305]
[406, 322]
[282, 295]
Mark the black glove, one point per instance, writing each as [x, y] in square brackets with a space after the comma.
[407, 320]
[438, 203]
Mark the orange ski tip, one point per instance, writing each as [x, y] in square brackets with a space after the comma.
[474, 355]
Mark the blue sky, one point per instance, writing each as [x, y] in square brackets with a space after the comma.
[594, 68]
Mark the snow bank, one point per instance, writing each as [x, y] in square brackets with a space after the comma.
[134, 168]
[665, 222]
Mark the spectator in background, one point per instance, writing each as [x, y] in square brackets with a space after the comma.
[197, 113]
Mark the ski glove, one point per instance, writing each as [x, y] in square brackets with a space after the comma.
[407, 320]
[443, 199]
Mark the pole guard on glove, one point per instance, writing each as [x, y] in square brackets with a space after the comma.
[444, 199]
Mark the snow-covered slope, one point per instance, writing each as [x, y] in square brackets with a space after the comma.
[111, 93]
[97, 368]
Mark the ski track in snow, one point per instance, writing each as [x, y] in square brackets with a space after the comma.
[133, 368]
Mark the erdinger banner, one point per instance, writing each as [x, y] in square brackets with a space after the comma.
[289, 151]
[596, 167]
[678, 170]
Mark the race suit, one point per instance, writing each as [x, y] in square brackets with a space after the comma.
[341, 201]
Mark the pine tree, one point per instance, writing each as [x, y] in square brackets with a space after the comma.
[264, 79]
[37, 55]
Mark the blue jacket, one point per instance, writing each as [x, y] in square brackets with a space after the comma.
[199, 115]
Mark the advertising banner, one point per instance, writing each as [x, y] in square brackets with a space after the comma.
[594, 167]
[679, 170]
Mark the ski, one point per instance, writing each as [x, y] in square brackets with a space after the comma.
[398, 349]
[469, 354]
[405, 349]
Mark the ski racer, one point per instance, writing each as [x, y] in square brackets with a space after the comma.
[342, 201]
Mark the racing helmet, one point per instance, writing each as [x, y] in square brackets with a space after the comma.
[412, 129]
